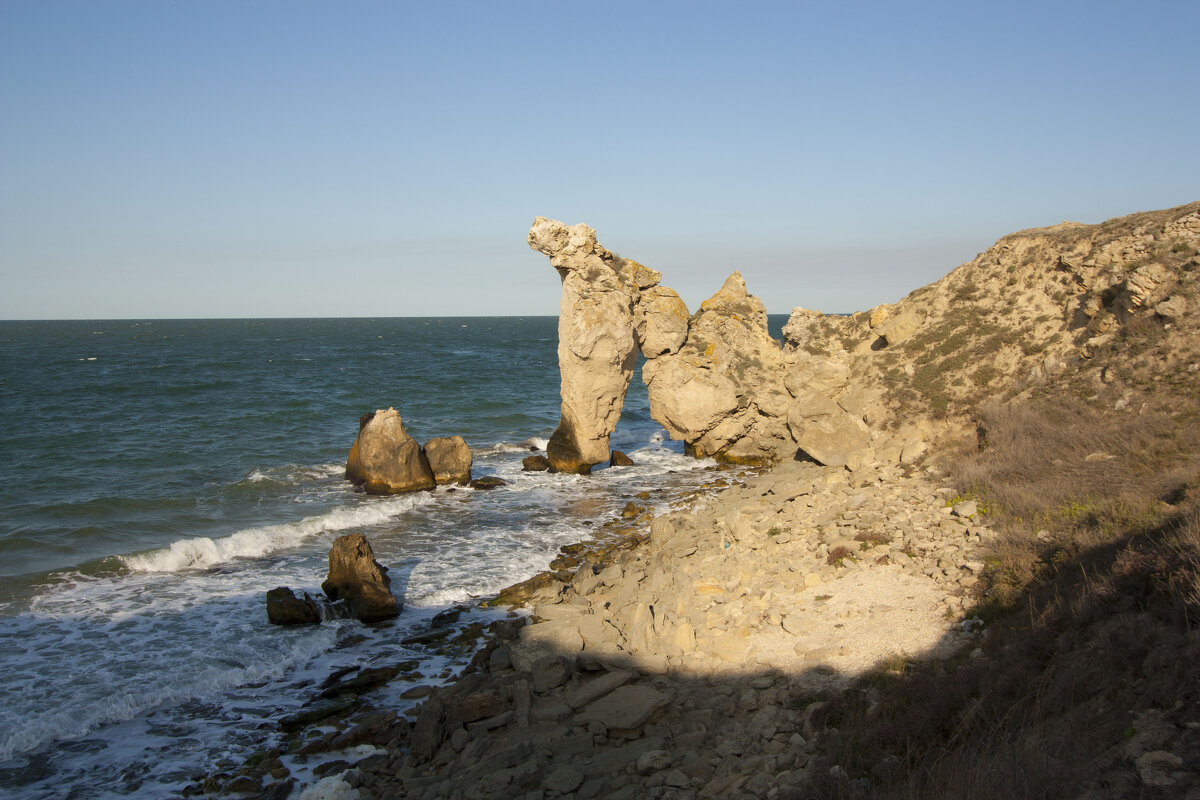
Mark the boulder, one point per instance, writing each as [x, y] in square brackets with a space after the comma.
[826, 433]
[624, 710]
[285, 608]
[661, 321]
[358, 579]
[897, 324]
[535, 464]
[385, 459]
[450, 459]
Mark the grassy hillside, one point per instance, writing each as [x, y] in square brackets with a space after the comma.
[1061, 370]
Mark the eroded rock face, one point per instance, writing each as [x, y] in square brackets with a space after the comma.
[723, 392]
[716, 379]
[450, 459]
[358, 579]
[385, 459]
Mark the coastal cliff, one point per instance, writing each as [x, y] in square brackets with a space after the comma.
[971, 531]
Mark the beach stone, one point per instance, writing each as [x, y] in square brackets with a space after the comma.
[550, 672]
[564, 779]
[358, 579]
[450, 459]
[537, 463]
[385, 459]
[285, 608]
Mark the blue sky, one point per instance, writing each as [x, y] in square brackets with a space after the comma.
[220, 158]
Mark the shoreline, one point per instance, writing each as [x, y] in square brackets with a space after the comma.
[675, 645]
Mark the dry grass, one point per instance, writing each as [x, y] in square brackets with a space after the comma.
[1088, 626]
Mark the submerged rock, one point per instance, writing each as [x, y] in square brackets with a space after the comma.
[385, 459]
[358, 579]
[488, 482]
[450, 459]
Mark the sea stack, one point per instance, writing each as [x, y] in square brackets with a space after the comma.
[596, 347]
[385, 459]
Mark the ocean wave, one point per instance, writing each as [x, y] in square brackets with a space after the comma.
[510, 447]
[76, 720]
[294, 474]
[202, 552]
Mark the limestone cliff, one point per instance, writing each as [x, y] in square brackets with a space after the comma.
[877, 384]
[716, 379]
[1110, 303]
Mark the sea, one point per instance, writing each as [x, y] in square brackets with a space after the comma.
[158, 477]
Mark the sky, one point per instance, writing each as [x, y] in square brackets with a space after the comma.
[246, 158]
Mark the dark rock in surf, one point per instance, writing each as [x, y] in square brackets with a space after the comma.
[358, 579]
[619, 459]
[285, 608]
[535, 464]
[450, 459]
[488, 482]
[385, 459]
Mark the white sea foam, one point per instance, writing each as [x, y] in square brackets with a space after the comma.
[61, 720]
[202, 551]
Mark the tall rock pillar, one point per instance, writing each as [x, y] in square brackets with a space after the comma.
[596, 344]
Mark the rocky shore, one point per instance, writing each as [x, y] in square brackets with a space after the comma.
[704, 652]
[694, 663]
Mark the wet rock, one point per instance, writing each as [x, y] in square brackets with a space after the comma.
[285, 608]
[619, 459]
[535, 464]
[358, 579]
[362, 681]
[488, 482]
[450, 459]
[385, 459]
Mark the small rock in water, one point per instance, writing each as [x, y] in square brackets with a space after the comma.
[619, 459]
[535, 464]
[285, 608]
[356, 577]
[488, 482]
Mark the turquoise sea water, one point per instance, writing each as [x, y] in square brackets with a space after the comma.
[158, 477]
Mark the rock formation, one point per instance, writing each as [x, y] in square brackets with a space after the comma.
[285, 608]
[385, 459]
[716, 379]
[358, 579]
[450, 459]
[595, 341]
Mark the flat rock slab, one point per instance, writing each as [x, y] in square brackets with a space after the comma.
[599, 687]
[624, 709]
